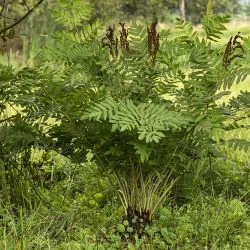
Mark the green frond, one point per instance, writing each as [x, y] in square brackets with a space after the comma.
[64, 49]
[240, 144]
[214, 25]
[240, 101]
[187, 33]
[209, 10]
[235, 75]
[235, 125]
[72, 13]
[144, 151]
[86, 32]
[148, 119]
[138, 39]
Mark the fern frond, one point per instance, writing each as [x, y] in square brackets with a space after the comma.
[144, 151]
[148, 119]
[187, 35]
[72, 13]
[240, 144]
[214, 25]
[235, 125]
[66, 50]
[240, 101]
[87, 32]
[138, 39]
[235, 75]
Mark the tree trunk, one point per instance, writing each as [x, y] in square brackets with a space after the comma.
[182, 9]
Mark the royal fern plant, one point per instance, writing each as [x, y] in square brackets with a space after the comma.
[146, 102]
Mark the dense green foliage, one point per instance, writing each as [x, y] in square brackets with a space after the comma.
[113, 134]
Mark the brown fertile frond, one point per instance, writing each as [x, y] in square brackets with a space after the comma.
[111, 42]
[232, 45]
[228, 52]
[153, 40]
[123, 37]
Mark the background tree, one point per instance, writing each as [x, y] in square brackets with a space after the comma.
[196, 9]
[192, 10]
[182, 9]
[121, 10]
[12, 9]
[24, 26]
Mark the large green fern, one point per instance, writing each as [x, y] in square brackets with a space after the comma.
[129, 109]
[148, 119]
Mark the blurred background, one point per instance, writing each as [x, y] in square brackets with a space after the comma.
[31, 34]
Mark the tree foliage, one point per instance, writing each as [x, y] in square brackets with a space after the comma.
[161, 9]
